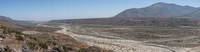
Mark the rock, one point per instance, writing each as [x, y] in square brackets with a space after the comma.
[10, 34]
[26, 50]
[1, 49]
[1, 39]
[60, 48]
[2, 35]
[7, 47]
[56, 49]
[24, 47]
[46, 51]
[27, 36]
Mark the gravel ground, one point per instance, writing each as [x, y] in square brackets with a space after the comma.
[117, 45]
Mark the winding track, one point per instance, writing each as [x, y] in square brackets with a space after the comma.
[119, 45]
[116, 45]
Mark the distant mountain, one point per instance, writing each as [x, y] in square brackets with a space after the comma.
[156, 22]
[9, 24]
[6, 18]
[195, 14]
[13, 21]
[160, 10]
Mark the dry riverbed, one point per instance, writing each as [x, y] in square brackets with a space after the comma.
[118, 45]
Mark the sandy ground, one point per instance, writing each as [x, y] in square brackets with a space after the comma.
[30, 32]
[120, 45]
[117, 45]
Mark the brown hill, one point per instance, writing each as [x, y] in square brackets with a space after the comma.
[15, 41]
[158, 10]
[9, 24]
[14, 21]
[195, 14]
[160, 22]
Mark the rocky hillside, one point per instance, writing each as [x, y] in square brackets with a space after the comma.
[6, 18]
[13, 21]
[159, 22]
[15, 41]
[195, 14]
[159, 10]
[9, 24]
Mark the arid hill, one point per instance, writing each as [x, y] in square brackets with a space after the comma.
[9, 24]
[159, 22]
[14, 21]
[159, 10]
[195, 14]
[43, 41]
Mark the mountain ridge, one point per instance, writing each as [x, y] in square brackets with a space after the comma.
[160, 10]
[195, 14]
[13, 21]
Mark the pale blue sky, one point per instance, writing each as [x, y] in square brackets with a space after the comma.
[74, 9]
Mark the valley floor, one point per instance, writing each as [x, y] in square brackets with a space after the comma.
[118, 44]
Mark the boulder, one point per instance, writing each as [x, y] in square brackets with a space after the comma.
[1, 49]
[2, 36]
[24, 49]
[7, 47]
[57, 49]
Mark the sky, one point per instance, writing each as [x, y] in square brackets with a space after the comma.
[44, 10]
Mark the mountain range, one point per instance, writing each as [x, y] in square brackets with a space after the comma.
[159, 14]
[159, 10]
[195, 14]
[14, 21]
[9, 24]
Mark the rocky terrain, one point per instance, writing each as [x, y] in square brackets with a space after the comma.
[35, 41]
[14, 21]
[161, 27]
[101, 36]
[193, 14]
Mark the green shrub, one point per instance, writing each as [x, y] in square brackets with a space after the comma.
[31, 44]
[66, 48]
[31, 37]
[3, 27]
[8, 50]
[34, 38]
[19, 37]
[5, 32]
[54, 43]
[43, 44]
[81, 51]
[17, 32]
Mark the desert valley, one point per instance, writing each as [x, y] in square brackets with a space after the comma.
[160, 27]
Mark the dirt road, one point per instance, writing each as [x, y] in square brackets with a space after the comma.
[117, 45]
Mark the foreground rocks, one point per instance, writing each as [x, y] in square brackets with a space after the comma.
[5, 49]
[15, 41]
[2, 36]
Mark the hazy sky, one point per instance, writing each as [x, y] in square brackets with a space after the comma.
[73, 9]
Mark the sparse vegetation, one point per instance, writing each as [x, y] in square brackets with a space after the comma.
[67, 48]
[29, 36]
[19, 37]
[8, 50]
[81, 51]
[31, 44]
[43, 44]
[43, 41]
[5, 32]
